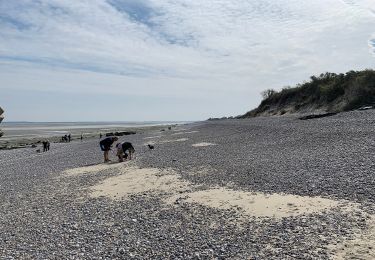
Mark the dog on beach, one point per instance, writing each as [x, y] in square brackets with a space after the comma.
[150, 146]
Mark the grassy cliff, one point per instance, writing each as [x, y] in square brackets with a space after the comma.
[328, 92]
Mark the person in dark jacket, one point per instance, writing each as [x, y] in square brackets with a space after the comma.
[122, 149]
[45, 146]
[105, 146]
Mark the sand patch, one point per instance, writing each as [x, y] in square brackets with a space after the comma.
[167, 183]
[92, 169]
[166, 141]
[179, 129]
[361, 246]
[257, 204]
[135, 180]
[153, 137]
[203, 144]
[182, 133]
[174, 140]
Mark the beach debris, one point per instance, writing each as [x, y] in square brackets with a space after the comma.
[316, 116]
[366, 108]
[120, 133]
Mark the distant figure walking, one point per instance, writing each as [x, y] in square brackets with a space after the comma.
[81, 137]
[48, 145]
[105, 146]
[122, 149]
[69, 138]
[100, 136]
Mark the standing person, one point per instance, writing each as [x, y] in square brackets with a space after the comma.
[69, 138]
[105, 146]
[122, 148]
[48, 145]
[100, 136]
[81, 137]
[45, 146]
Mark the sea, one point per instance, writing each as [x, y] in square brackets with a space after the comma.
[15, 130]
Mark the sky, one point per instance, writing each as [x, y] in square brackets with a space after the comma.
[142, 60]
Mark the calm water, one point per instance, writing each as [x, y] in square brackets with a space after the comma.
[26, 129]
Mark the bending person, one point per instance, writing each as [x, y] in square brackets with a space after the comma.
[122, 149]
[105, 146]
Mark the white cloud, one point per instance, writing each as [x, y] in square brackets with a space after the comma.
[180, 47]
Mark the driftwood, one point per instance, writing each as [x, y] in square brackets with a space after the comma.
[316, 116]
[366, 108]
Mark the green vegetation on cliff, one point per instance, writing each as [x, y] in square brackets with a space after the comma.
[328, 92]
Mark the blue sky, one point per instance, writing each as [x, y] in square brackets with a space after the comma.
[121, 60]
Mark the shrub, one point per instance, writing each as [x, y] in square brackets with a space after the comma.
[266, 94]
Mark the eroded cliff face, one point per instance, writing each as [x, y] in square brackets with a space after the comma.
[327, 93]
[1, 119]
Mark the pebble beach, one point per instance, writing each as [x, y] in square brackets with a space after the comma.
[259, 188]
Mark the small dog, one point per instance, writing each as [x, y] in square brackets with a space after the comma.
[150, 146]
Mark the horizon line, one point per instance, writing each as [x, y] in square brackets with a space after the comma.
[144, 121]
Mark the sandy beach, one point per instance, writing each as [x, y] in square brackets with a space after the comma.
[260, 188]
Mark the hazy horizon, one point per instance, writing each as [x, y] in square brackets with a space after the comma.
[151, 60]
[88, 122]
